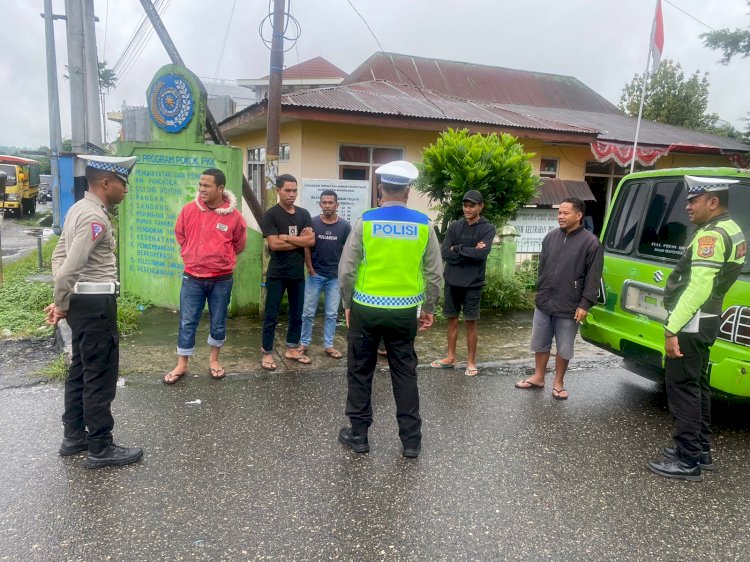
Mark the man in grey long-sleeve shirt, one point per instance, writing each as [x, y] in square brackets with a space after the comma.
[570, 271]
[390, 265]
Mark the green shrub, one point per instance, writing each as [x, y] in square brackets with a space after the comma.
[508, 292]
[129, 310]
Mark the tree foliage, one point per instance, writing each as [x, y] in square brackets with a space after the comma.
[107, 77]
[730, 42]
[495, 165]
[670, 97]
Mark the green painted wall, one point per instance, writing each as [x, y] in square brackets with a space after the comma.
[165, 178]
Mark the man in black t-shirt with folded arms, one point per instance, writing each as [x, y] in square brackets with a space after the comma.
[288, 231]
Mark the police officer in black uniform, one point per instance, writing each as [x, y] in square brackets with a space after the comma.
[693, 296]
[84, 267]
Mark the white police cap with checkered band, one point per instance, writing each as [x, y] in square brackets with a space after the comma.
[699, 185]
[118, 165]
[398, 172]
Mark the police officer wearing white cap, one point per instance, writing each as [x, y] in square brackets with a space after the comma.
[693, 296]
[390, 265]
[84, 268]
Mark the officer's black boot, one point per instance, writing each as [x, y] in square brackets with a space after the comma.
[103, 452]
[357, 443]
[75, 440]
[706, 460]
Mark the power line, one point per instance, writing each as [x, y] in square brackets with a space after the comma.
[689, 15]
[390, 59]
[224, 43]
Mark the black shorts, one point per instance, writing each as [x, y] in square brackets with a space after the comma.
[466, 298]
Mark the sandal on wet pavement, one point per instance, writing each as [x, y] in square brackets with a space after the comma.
[301, 358]
[471, 371]
[526, 384]
[217, 374]
[557, 394]
[171, 373]
[438, 364]
[335, 353]
[269, 365]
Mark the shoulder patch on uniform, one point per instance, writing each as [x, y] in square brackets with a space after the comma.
[96, 230]
[706, 245]
[741, 250]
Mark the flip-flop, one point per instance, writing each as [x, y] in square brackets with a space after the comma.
[382, 352]
[471, 372]
[304, 359]
[217, 374]
[556, 394]
[438, 364]
[178, 375]
[526, 384]
[335, 353]
[269, 365]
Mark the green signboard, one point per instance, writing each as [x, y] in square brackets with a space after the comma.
[164, 180]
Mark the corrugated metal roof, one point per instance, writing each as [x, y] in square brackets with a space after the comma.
[313, 68]
[621, 128]
[384, 98]
[552, 191]
[488, 84]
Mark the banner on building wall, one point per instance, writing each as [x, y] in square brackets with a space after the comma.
[353, 196]
[533, 225]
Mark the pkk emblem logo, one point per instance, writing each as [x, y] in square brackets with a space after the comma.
[170, 103]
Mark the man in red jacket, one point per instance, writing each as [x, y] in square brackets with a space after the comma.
[211, 232]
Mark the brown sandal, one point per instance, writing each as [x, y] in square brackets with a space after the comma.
[173, 374]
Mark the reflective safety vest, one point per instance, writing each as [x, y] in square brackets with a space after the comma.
[707, 269]
[394, 240]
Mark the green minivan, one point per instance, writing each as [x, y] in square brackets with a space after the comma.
[644, 234]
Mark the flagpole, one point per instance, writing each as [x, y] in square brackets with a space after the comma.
[640, 110]
[657, 36]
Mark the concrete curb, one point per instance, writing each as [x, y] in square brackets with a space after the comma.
[64, 340]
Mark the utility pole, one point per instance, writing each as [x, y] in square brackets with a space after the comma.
[53, 102]
[273, 128]
[91, 75]
[74, 29]
[211, 126]
[273, 123]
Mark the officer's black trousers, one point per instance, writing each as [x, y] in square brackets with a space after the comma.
[92, 378]
[398, 328]
[688, 391]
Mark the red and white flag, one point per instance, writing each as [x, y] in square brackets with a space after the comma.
[657, 38]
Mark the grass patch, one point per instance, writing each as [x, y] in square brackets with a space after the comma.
[22, 301]
[57, 369]
[33, 221]
[510, 292]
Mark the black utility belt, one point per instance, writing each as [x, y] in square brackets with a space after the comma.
[217, 278]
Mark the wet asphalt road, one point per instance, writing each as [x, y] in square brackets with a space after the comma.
[255, 472]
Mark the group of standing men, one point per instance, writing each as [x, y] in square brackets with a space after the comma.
[357, 265]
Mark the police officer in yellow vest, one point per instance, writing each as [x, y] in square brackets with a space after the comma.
[693, 296]
[390, 265]
[84, 267]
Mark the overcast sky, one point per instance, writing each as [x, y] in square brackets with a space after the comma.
[603, 43]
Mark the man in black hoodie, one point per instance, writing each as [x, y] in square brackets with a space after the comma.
[465, 249]
[570, 271]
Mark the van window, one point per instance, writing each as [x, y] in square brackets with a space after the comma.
[666, 224]
[625, 218]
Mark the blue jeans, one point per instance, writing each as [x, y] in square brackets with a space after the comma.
[313, 287]
[193, 296]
